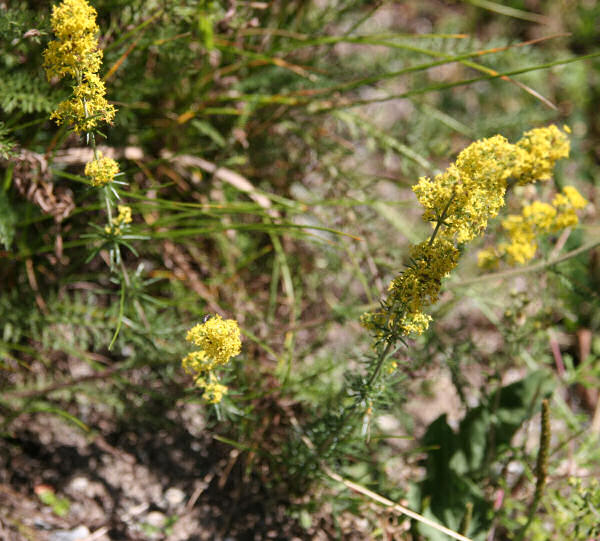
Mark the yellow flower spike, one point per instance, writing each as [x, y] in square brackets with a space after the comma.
[535, 220]
[522, 235]
[75, 53]
[459, 203]
[101, 170]
[416, 288]
[198, 362]
[420, 284]
[471, 191]
[416, 323]
[566, 203]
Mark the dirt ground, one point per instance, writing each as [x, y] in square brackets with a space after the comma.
[130, 484]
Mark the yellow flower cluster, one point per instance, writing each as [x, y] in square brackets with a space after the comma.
[75, 53]
[471, 191]
[101, 170]
[122, 219]
[543, 148]
[219, 340]
[416, 288]
[459, 202]
[535, 220]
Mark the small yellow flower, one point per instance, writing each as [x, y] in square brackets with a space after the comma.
[114, 231]
[198, 362]
[541, 215]
[415, 323]
[101, 170]
[87, 107]
[218, 338]
[414, 289]
[522, 235]
[535, 220]
[574, 197]
[543, 147]
[213, 390]
[124, 216]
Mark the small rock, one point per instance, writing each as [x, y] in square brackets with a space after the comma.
[156, 519]
[174, 496]
[79, 484]
[81, 532]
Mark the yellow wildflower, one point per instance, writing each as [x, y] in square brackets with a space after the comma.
[471, 191]
[459, 202]
[213, 390]
[535, 220]
[543, 146]
[75, 53]
[419, 285]
[415, 323]
[76, 49]
[218, 338]
[574, 197]
[522, 235]
[101, 170]
[87, 107]
[124, 216]
[414, 289]
[122, 219]
[541, 215]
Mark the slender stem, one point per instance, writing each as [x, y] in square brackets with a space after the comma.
[383, 355]
[440, 220]
[121, 311]
[108, 205]
[531, 268]
[541, 467]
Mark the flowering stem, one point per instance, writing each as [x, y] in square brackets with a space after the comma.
[384, 354]
[441, 219]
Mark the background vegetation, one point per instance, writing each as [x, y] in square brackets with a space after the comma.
[269, 150]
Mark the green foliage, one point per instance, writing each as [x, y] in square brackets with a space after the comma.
[8, 220]
[60, 506]
[20, 92]
[268, 150]
[458, 463]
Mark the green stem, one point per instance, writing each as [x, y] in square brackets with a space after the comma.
[440, 220]
[541, 467]
[121, 311]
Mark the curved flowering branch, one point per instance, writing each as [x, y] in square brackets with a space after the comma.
[459, 203]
